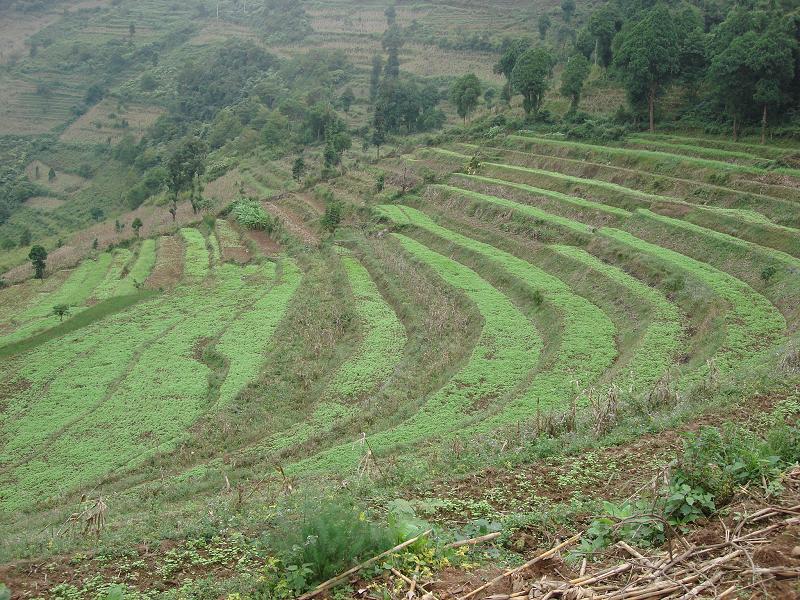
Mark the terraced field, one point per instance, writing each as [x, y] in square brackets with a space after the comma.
[478, 303]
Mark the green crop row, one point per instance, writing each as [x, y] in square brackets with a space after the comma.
[506, 353]
[384, 337]
[630, 198]
[228, 238]
[77, 288]
[730, 242]
[214, 248]
[758, 150]
[777, 208]
[195, 265]
[662, 337]
[531, 211]
[141, 269]
[700, 151]
[752, 324]
[114, 392]
[114, 275]
[247, 339]
[564, 198]
[637, 154]
[377, 356]
[581, 357]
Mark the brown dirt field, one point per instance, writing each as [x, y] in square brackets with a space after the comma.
[293, 223]
[16, 28]
[168, 269]
[221, 31]
[64, 183]
[86, 129]
[266, 244]
[224, 189]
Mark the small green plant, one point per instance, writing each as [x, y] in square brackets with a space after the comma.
[327, 538]
[768, 273]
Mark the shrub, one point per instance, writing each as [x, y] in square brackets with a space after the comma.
[328, 539]
[251, 215]
[596, 131]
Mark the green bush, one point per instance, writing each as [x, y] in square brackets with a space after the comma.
[251, 215]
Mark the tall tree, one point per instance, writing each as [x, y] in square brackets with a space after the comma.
[511, 51]
[753, 66]
[391, 15]
[531, 77]
[543, 24]
[465, 93]
[568, 9]
[186, 163]
[392, 42]
[375, 77]
[378, 131]
[38, 256]
[137, 225]
[572, 79]
[647, 55]
[604, 24]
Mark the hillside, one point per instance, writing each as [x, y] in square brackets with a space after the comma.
[270, 309]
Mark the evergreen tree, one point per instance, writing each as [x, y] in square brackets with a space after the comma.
[531, 77]
[375, 77]
[465, 93]
[38, 256]
[572, 79]
[647, 56]
[568, 9]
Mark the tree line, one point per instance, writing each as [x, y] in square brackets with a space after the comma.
[741, 65]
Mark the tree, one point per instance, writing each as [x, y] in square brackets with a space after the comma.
[531, 77]
[391, 15]
[572, 79]
[773, 65]
[298, 168]
[131, 30]
[465, 93]
[647, 56]
[378, 131]
[61, 310]
[51, 175]
[333, 215]
[511, 51]
[347, 99]
[604, 24]
[568, 9]
[38, 256]
[97, 214]
[489, 96]
[25, 238]
[375, 77]
[544, 25]
[186, 163]
[137, 225]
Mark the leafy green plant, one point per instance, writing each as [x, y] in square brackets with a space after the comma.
[326, 538]
[251, 215]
